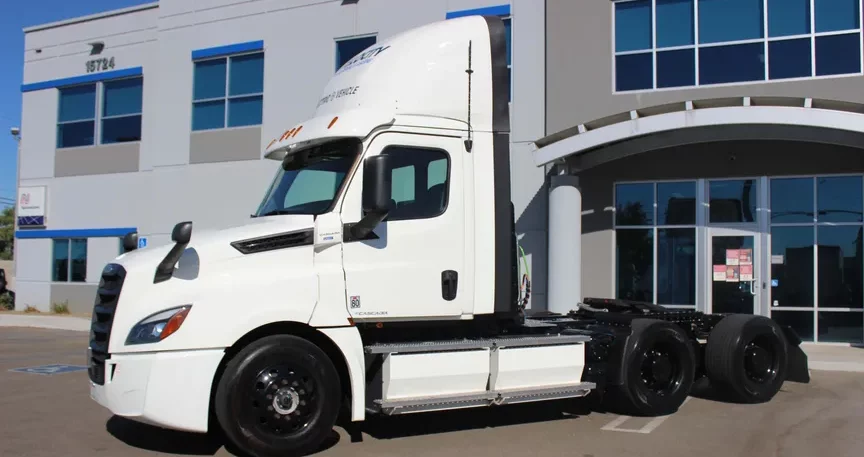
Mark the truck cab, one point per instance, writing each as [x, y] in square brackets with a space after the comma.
[377, 275]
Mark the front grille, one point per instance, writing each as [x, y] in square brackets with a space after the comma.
[103, 317]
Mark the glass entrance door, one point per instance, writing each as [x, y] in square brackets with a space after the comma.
[734, 282]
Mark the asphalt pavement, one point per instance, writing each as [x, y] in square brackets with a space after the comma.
[46, 410]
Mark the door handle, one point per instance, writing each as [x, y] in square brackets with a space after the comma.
[449, 284]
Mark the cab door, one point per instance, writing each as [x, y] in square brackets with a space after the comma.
[413, 264]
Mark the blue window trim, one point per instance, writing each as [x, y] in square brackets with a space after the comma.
[74, 233]
[222, 51]
[498, 10]
[93, 77]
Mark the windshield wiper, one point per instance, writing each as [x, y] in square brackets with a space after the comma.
[277, 212]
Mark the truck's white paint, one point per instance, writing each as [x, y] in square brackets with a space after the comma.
[233, 294]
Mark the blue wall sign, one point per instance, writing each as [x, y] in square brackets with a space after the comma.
[142, 242]
[48, 370]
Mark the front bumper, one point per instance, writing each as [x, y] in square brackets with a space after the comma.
[167, 389]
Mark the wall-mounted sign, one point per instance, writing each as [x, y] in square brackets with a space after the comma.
[101, 64]
[142, 242]
[31, 206]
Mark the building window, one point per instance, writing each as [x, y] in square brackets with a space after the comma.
[680, 43]
[347, 48]
[816, 256]
[655, 232]
[228, 92]
[103, 112]
[70, 260]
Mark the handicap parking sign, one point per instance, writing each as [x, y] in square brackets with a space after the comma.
[48, 370]
[142, 242]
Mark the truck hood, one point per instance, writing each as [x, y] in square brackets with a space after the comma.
[214, 245]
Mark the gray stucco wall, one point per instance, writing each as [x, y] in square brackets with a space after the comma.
[579, 72]
[711, 160]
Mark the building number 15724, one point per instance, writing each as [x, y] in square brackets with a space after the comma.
[100, 64]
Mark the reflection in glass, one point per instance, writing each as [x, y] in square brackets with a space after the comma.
[634, 260]
[840, 263]
[676, 203]
[800, 321]
[634, 204]
[792, 266]
[60, 269]
[791, 200]
[732, 201]
[731, 296]
[841, 327]
[676, 266]
[839, 199]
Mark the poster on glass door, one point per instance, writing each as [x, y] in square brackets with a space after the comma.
[746, 272]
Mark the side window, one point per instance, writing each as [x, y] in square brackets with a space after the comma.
[420, 180]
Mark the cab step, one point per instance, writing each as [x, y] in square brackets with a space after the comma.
[481, 399]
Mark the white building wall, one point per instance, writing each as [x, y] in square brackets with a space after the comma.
[299, 39]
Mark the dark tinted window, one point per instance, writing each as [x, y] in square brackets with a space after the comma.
[838, 54]
[635, 259]
[347, 49]
[69, 260]
[800, 321]
[634, 204]
[840, 327]
[676, 68]
[228, 92]
[76, 116]
[732, 201]
[834, 15]
[734, 63]
[676, 266]
[789, 59]
[840, 263]
[420, 182]
[634, 72]
[792, 266]
[839, 199]
[676, 203]
[792, 200]
[632, 25]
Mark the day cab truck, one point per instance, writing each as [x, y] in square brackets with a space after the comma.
[379, 276]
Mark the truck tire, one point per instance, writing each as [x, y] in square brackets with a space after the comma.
[278, 396]
[657, 370]
[746, 358]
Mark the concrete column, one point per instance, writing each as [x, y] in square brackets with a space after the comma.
[565, 244]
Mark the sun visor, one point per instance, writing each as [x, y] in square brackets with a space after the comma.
[350, 124]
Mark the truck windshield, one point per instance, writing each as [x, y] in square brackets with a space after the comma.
[309, 181]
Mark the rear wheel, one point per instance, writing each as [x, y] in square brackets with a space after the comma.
[746, 358]
[279, 396]
[658, 370]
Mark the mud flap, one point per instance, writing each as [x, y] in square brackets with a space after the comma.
[799, 368]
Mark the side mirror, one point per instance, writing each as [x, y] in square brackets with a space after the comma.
[130, 242]
[377, 189]
[182, 233]
[377, 184]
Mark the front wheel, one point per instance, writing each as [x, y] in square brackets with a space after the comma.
[279, 396]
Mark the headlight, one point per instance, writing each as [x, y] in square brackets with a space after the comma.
[158, 326]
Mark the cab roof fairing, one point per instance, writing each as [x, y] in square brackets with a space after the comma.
[422, 71]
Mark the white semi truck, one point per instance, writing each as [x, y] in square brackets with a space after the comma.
[379, 276]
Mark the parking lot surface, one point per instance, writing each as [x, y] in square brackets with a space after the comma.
[52, 415]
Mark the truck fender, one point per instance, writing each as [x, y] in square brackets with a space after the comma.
[348, 340]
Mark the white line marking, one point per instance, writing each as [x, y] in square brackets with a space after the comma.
[646, 429]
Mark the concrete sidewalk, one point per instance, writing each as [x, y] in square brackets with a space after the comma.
[78, 324]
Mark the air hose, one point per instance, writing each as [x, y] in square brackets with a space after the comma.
[525, 286]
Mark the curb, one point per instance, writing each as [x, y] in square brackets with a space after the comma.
[76, 324]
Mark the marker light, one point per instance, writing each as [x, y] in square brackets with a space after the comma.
[158, 326]
[333, 121]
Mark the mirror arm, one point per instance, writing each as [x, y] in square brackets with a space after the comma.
[364, 226]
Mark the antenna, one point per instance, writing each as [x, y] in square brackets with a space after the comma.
[469, 143]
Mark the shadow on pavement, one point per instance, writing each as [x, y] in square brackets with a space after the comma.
[156, 439]
[431, 423]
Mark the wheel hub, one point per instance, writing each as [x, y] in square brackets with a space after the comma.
[758, 362]
[286, 400]
[661, 369]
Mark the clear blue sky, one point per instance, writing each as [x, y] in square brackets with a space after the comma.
[15, 17]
